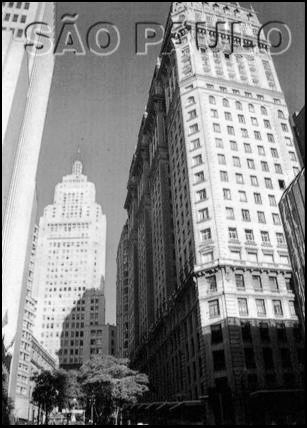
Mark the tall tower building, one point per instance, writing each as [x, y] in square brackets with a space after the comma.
[214, 156]
[26, 82]
[71, 258]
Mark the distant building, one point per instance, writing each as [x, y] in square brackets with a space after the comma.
[122, 296]
[292, 207]
[26, 83]
[70, 262]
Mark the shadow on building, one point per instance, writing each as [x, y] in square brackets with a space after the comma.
[84, 332]
[234, 372]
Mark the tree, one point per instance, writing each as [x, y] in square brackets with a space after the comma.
[111, 384]
[45, 394]
[7, 405]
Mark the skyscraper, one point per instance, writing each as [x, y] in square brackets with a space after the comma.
[71, 257]
[26, 82]
[214, 155]
[122, 296]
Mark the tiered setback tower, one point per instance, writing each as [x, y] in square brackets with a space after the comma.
[71, 257]
[26, 82]
[211, 305]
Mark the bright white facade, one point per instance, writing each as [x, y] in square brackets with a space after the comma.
[26, 82]
[71, 256]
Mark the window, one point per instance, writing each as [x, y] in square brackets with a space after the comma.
[243, 196]
[19, 33]
[285, 127]
[276, 219]
[195, 144]
[265, 236]
[282, 184]
[289, 285]
[219, 143]
[23, 19]
[199, 177]
[226, 103]
[212, 100]
[214, 114]
[277, 308]
[254, 121]
[261, 217]
[257, 283]
[192, 115]
[216, 334]
[281, 114]
[249, 358]
[261, 151]
[264, 332]
[239, 179]
[246, 215]
[230, 130]
[224, 176]
[273, 284]
[288, 141]
[251, 108]
[197, 160]
[265, 166]
[206, 235]
[227, 194]
[251, 164]
[296, 171]
[293, 156]
[248, 148]
[236, 255]
[258, 135]
[243, 307]
[239, 106]
[271, 138]
[254, 181]
[274, 153]
[194, 129]
[280, 237]
[244, 133]
[202, 195]
[27, 6]
[228, 116]
[272, 200]
[249, 234]
[258, 198]
[219, 362]
[233, 234]
[203, 214]
[241, 119]
[292, 309]
[222, 160]
[212, 283]
[217, 128]
[7, 17]
[261, 310]
[240, 284]
[246, 332]
[267, 124]
[264, 111]
[268, 358]
[234, 146]
[236, 162]
[268, 183]
[230, 215]
[214, 309]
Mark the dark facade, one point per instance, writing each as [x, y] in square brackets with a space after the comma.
[299, 129]
[292, 207]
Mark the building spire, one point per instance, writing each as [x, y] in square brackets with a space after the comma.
[77, 166]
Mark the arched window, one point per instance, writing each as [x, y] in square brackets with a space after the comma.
[239, 105]
[212, 100]
[264, 111]
[225, 102]
[281, 114]
[251, 108]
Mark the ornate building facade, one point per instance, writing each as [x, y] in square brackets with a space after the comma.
[211, 305]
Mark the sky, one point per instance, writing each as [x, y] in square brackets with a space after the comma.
[96, 104]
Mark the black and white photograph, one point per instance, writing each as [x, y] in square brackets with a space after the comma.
[153, 213]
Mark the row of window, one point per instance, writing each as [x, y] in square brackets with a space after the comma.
[17, 5]
[256, 282]
[206, 234]
[243, 309]
[254, 181]
[15, 18]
